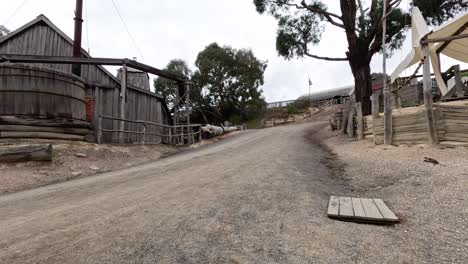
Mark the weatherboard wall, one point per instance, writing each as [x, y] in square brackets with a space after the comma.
[41, 37]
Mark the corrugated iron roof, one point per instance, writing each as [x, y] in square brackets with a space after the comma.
[328, 94]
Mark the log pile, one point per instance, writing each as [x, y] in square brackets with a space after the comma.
[26, 153]
[45, 128]
[210, 131]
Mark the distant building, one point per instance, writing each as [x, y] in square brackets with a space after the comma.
[340, 95]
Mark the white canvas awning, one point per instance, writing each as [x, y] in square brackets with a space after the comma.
[419, 29]
[456, 49]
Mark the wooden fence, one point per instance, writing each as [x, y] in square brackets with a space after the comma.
[451, 124]
[306, 103]
[145, 132]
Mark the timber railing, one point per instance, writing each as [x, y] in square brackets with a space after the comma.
[307, 103]
[172, 135]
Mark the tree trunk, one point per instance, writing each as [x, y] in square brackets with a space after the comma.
[363, 86]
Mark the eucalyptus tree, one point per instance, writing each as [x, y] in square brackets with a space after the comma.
[301, 24]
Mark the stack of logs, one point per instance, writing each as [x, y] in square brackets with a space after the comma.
[45, 128]
[210, 131]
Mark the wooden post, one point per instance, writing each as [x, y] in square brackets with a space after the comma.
[97, 111]
[360, 121]
[123, 89]
[428, 101]
[143, 134]
[351, 122]
[187, 112]
[345, 122]
[170, 136]
[99, 137]
[458, 81]
[386, 89]
[375, 104]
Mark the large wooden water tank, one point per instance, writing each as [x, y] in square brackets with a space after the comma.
[31, 91]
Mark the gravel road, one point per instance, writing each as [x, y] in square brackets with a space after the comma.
[259, 197]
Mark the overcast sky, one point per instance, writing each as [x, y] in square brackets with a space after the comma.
[168, 29]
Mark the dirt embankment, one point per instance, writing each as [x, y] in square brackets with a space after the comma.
[73, 160]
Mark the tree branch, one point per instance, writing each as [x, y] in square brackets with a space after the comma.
[329, 16]
[324, 58]
[361, 8]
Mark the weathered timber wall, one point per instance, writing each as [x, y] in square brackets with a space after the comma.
[140, 105]
[27, 91]
[41, 37]
[451, 121]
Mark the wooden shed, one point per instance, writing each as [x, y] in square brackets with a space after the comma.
[41, 37]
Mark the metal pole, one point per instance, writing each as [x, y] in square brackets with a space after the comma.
[387, 96]
[76, 68]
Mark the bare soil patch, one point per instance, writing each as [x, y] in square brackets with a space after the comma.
[74, 160]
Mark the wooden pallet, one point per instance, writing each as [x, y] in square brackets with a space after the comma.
[361, 210]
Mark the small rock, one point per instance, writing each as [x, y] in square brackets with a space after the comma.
[94, 168]
[81, 155]
[77, 173]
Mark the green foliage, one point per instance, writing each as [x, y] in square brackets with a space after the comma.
[229, 81]
[439, 11]
[168, 88]
[301, 23]
[3, 31]
[292, 31]
[225, 85]
[292, 109]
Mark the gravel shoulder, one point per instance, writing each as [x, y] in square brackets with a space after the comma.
[430, 199]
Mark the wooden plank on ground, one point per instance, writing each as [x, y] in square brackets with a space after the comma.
[371, 209]
[333, 206]
[361, 210]
[346, 207]
[357, 207]
[385, 211]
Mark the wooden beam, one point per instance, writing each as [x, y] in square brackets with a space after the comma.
[15, 58]
[437, 40]
[428, 100]
[457, 33]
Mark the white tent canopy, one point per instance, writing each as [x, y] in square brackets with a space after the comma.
[456, 49]
[418, 29]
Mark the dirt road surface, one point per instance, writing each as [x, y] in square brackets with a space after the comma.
[260, 197]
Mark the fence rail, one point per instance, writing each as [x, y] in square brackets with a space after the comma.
[307, 103]
[172, 135]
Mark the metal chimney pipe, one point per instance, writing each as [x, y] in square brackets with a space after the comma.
[76, 68]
